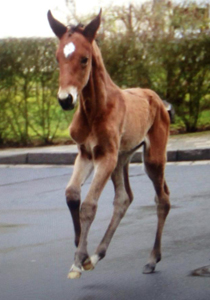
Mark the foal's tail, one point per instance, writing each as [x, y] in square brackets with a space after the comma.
[171, 111]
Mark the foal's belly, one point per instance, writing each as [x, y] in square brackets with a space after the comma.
[137, 123]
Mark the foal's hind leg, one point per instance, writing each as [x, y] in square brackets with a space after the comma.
[154, 159]
[122, 200]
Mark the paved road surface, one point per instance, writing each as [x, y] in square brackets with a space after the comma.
[36, 239]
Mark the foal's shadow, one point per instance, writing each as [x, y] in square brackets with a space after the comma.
[89, 289]
[108, 290]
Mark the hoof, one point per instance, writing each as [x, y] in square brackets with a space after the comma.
[149, 268]
[87, 265]
[74, 273]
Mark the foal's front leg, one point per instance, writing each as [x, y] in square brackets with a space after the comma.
[103, 169]
[82, 169]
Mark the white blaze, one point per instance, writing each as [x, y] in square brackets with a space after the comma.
[69, 49]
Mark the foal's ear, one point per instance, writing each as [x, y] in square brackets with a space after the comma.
[91, 29]
[58, 28]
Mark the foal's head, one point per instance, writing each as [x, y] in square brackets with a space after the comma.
[74, 55]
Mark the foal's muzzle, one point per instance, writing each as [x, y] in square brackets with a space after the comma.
[67, 103]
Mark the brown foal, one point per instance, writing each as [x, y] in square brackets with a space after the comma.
[109, 125]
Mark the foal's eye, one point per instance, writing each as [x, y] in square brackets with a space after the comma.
[84, 61]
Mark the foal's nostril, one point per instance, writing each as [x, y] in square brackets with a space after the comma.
[69, 99]
[67, 103]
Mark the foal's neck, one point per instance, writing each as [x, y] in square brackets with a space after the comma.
[95, 95]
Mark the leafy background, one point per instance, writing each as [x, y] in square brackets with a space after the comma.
[164, 47]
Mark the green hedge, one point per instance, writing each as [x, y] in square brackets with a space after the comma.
[28, 89]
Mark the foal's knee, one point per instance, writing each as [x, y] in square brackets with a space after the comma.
[72, 197]
[163, 204]
[88, 211]
[121, 205]
[165, 207]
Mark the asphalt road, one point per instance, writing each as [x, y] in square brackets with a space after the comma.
[36, 238]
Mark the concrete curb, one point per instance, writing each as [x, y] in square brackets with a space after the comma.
[179, 155]
[64, 158]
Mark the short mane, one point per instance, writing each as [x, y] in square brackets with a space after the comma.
[75, 28]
